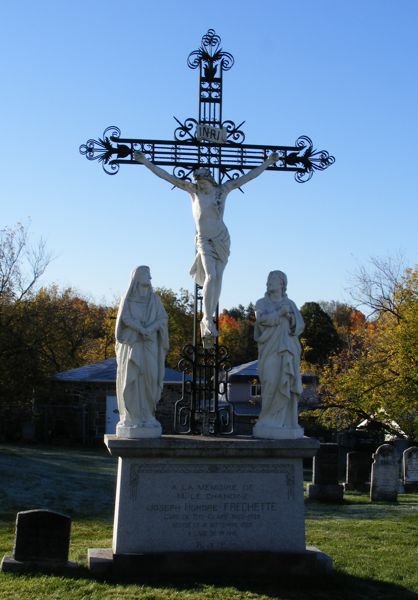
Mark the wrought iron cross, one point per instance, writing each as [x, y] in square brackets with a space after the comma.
[210, 142]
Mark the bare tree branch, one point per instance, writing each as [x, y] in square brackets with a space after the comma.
[21, 264]
[376, 287]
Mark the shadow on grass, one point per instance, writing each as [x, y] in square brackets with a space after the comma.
[77, 483]
[360, 507]
[334, 586]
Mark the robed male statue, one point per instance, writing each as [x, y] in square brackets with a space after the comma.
[277, 329]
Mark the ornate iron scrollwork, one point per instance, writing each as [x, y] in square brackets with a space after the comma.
[308, 159]
[183, 173]
[229, 158]
[210, 55]
[103, 150]
[234, 132]
[203, 407]
[230, 174]
[185, 131]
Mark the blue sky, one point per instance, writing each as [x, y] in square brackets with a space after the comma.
[343, 73]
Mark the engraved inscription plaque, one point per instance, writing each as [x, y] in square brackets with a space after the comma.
[209, 506]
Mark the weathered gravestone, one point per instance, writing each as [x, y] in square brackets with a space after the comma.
[42, 542]
[385, 474]
[325, 486]
[358, 469]
[410, 469]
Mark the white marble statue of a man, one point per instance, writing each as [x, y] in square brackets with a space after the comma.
[141, 348]
[212, 236]
[278, 325]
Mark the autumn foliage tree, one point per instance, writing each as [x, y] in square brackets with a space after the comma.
[179, 308]
[49, 331]
[319, 338]
[22, 263]
[68, 330]
[42, 330]
[346, 319]
[236, 327]
[376, 376]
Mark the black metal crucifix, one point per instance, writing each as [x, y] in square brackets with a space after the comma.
[210, 142]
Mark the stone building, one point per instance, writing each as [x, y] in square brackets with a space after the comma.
[245, 393]
[83, 405]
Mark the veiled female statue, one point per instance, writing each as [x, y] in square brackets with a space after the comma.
[141, 348]
[278, 325]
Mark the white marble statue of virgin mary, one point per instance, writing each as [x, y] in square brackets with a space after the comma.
[141, 348]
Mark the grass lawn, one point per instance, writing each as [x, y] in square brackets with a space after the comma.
[374, 546]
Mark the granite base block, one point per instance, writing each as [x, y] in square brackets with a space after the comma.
[10, 565]
[209, 495]
[210, 506]
[271, 565]
[100, 562]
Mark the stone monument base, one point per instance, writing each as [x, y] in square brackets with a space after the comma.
[270, 432]
[180, 499]
[19, 567]
[152, 430]
[271, 565]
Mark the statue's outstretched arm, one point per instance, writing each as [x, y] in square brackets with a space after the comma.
[180, 183]
[236, 183]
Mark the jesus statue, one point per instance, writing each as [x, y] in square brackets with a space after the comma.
[212, 236]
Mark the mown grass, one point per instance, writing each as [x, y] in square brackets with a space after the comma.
[373, 546]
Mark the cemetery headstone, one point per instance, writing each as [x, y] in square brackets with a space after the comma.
[42, 542]
[325, 486]
[358, 471]
[385, 474]
[410, 469]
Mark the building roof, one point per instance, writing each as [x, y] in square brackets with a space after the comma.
[105, 372]
[250, 369]
[246, 370]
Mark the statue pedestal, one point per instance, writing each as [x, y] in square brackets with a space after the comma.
[139, 432]
[270, 432]
[192, 503]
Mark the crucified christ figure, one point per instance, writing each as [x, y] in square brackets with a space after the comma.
[212, 236]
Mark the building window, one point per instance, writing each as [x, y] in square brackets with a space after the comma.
[255, 391]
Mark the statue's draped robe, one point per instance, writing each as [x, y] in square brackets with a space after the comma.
[140, 360]
[278, 361]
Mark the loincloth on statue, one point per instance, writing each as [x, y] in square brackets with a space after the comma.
[216, 247]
